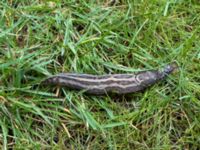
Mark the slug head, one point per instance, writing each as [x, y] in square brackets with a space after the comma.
[170, 68]
[148, 78]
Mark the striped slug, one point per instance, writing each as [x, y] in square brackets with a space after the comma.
[112, 83]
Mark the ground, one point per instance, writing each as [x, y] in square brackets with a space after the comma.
[41, 38]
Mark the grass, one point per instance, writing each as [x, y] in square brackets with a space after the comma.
[40, 38]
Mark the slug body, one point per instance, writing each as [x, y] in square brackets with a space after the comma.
[112, 83]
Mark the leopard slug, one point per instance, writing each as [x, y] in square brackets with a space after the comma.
[111, 83]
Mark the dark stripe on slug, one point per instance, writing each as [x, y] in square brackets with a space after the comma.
[101, 88]
[64, 81]
[122, 81]
[88, 76]
[115, 89]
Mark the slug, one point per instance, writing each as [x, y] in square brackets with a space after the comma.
[111, 83]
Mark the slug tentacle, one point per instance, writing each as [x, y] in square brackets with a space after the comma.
[112, 83]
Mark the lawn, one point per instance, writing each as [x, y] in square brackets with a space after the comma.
[40, 38]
